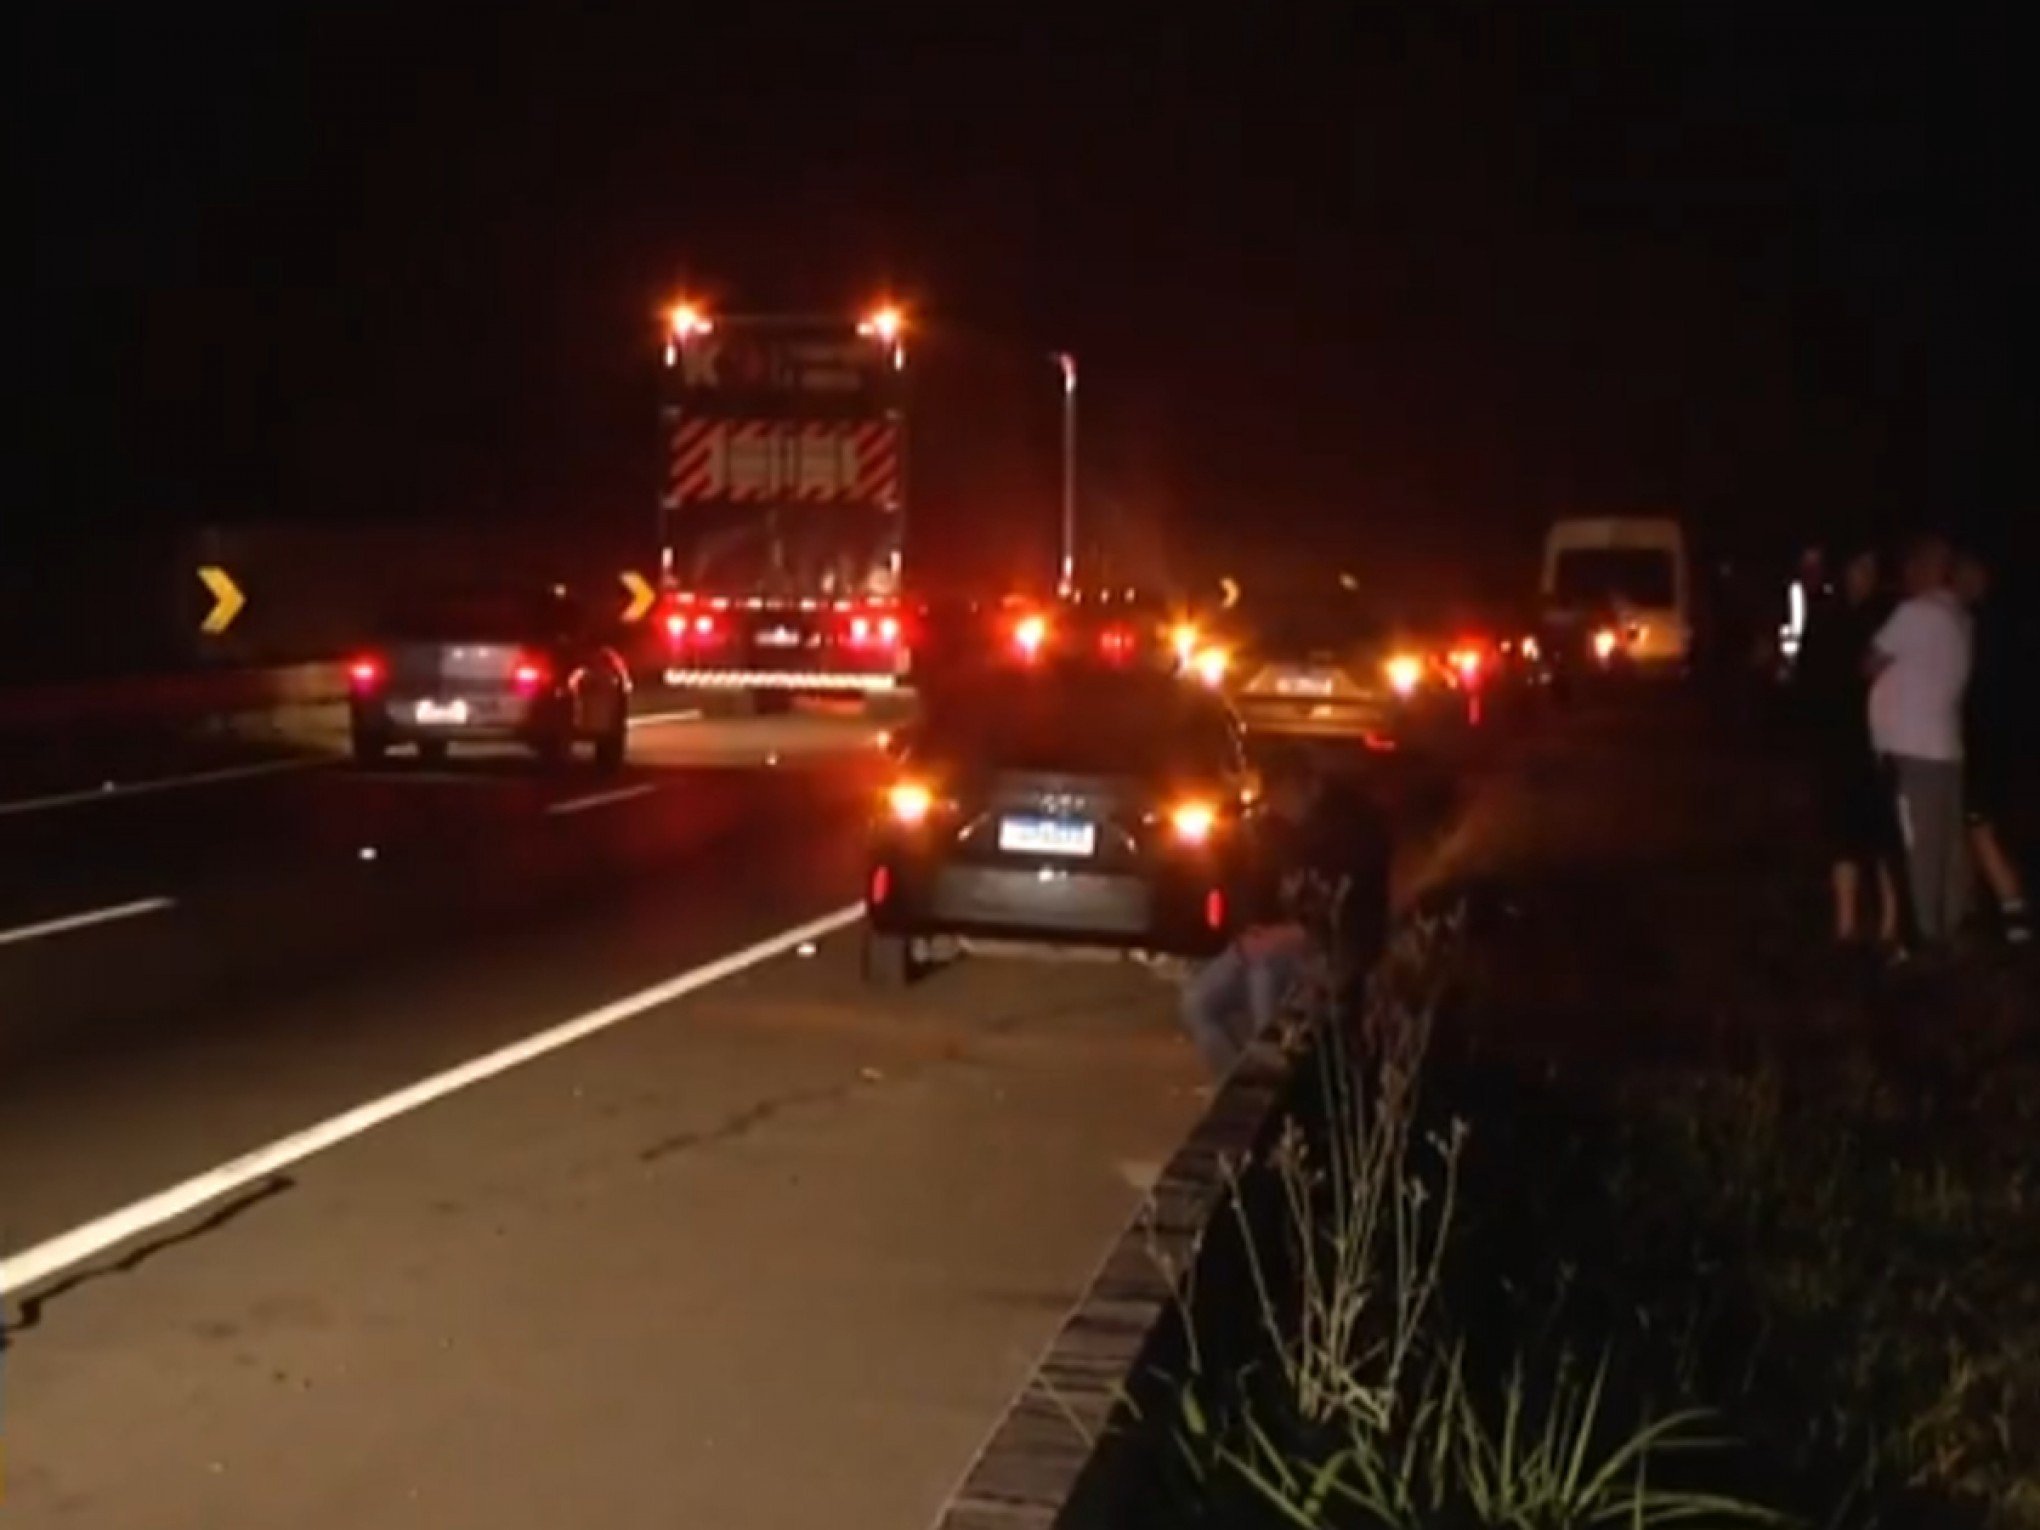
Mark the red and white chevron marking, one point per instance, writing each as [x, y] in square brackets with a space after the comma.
[692, 471]
[877, 449]
[746, 461]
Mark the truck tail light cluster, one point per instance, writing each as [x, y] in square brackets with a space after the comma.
[693, 629]
[873, 630]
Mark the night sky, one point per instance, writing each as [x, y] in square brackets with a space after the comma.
[1402, 282]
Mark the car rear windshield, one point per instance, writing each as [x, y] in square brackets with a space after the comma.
[1308, 625]
[487, 616]
[1640, 576]
[1133, 725]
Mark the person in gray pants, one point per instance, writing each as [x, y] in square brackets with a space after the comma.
[1919, 663]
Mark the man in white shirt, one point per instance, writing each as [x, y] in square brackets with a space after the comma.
[1919, 661]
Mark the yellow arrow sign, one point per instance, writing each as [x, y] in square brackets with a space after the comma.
[641, 595]
[227, 600]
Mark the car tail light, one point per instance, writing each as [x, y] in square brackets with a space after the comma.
[530, 675]
[1030, 634]
[881, 884]
[910, 802]
[1116, 643]
[1193, 822]
[676, 626]
[1214, 909]
[888, 630]
[1467, 662]
[365, 673]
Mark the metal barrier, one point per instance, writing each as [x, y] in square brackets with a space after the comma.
[182, 697]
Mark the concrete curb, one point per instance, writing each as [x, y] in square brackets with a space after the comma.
[1027, 1474]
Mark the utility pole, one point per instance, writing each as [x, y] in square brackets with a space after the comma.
[1067, 579]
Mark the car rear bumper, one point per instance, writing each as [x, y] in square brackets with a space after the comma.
[395, 719]
[1170, 913]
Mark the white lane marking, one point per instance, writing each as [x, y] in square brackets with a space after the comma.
[655, 719]
[22, 934]
[30, 1267]
[114, 789]
[602, 799]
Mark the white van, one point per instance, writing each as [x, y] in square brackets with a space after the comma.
[1633, 567]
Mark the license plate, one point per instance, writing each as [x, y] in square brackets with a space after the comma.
[442, 712]
[1304, 685]
[1047, 836]
[779, 637]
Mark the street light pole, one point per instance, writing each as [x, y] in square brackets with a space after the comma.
[1068, 580]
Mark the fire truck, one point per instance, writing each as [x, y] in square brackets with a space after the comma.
[783, 506]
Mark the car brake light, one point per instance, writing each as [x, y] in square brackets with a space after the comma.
[1116, 642]
[1467, 661]
[910, 802]
[888, 629]
[881, 884]
[1214, 909]
[1193, 821]
[676, 626]
[365, 674]
[1029, 634]
[529, 675]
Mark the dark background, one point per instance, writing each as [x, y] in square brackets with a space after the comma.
[1398, 283]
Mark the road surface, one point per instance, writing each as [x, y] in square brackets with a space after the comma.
[773, 1251]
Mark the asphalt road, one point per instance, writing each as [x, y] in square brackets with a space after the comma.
[775, 1251]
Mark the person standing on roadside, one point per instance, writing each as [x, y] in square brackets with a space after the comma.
[1855, 808]
[1919, 664]
[1988, 733]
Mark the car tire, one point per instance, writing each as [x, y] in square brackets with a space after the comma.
[368, 748]
[611, 746]
[432, 751]
[890, 961]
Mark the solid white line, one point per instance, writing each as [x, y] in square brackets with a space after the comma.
[111, 790]
[602, 799]
[85, 921]
[19, 1272]
[655, 719]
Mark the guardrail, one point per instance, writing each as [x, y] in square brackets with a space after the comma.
[191, 696]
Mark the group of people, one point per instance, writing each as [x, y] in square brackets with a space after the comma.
[1906, 706]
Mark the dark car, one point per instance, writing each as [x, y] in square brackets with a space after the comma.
[1060, 803]
[1320, 663]
[490, 668]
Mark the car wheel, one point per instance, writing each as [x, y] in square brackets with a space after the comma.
[611, 746]
[432, 751]
[369, 748]
[890, 961]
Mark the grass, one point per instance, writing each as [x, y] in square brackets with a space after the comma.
[1652, 1227]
